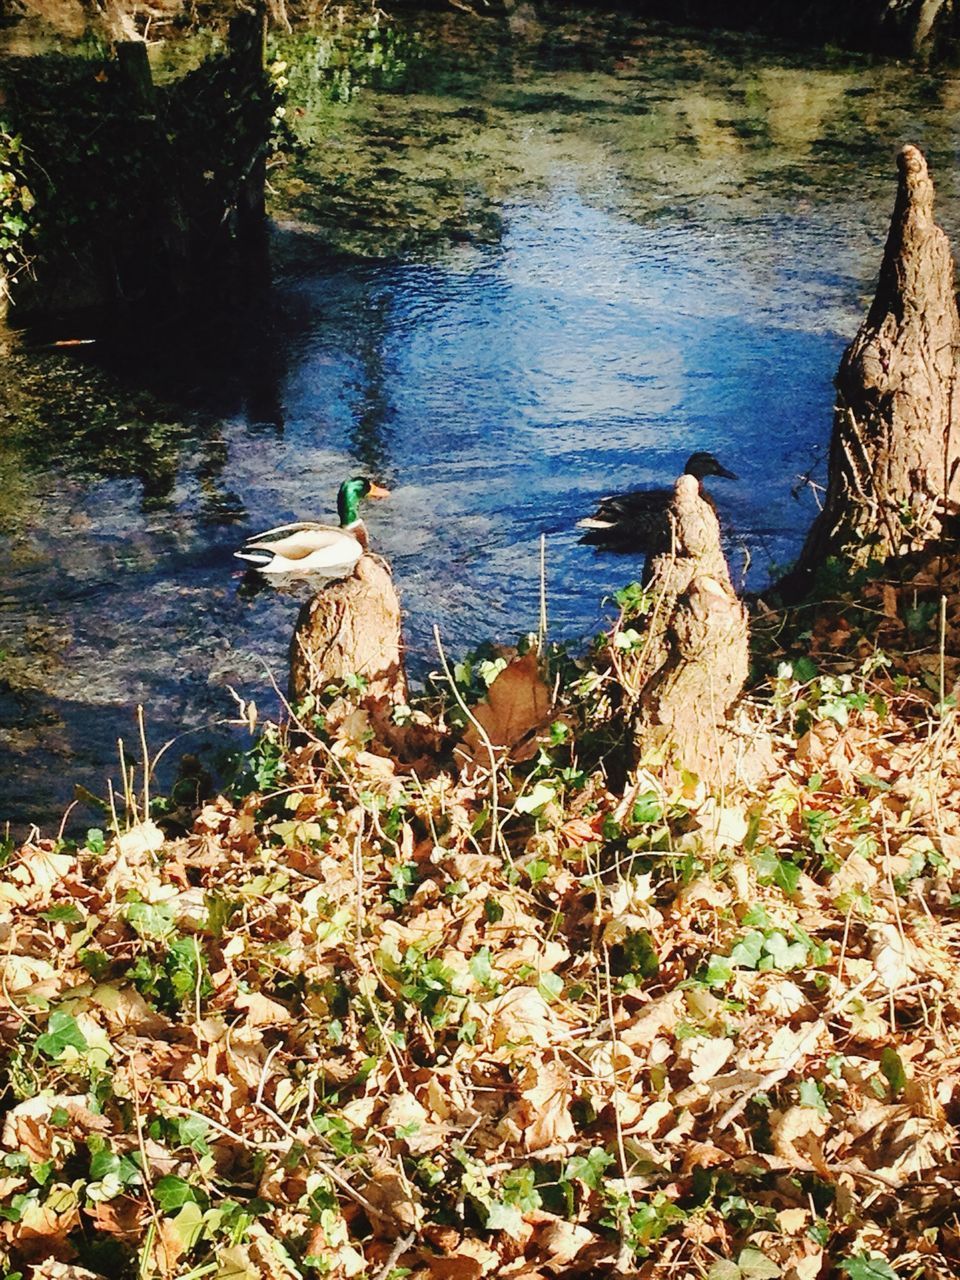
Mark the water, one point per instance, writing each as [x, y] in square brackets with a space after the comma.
[565, 257]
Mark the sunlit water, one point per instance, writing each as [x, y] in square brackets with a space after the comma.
[609, 249]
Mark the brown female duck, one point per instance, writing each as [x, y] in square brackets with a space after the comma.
[637, 521]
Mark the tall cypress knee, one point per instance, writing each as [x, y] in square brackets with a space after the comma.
[895, 452]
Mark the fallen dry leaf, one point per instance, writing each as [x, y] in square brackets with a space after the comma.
[516, 703]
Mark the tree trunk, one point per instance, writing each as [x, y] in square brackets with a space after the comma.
[351, 628]
[695, 658]
[895, 450]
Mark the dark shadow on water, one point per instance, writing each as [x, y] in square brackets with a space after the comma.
[72, 755]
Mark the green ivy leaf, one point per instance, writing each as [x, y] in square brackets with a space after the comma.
[95, 841]
[62, 1033]
[757, 916]
[192, 1132]
[188, 1224]
[754, 1266]
[171, 1193]
[492, 911]
[103, 1163]
[550, 986]
[772, 869]
[787, 876]
[588, 1169]
[811, 1095]
[724, 1269]
[537, 799]
[804, 670]
[719, 971]
[782, 953]
[646, 808]
[863, 1267]
[504, 1217]
[150, 920]
[481, 968]
[66, 914]
[746, 954]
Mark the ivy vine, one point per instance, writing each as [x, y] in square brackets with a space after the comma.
[16, 206]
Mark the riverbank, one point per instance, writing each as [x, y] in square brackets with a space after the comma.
[914, 30]
[379, 1007]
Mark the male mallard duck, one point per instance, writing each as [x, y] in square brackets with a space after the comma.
[637, 521]
[320, 550]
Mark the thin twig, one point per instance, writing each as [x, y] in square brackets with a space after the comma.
[809, 1037]
[399, 1248]
[484, 738]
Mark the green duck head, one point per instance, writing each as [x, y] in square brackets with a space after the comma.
[351, 492]
[705, 464]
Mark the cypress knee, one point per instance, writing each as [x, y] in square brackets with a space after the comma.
[894, 477]
[695, 659]
[351, 627]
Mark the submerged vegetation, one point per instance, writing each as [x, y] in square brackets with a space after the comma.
[400, 1002]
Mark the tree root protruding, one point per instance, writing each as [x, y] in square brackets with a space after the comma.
[694, 661]
[894, 477]
[351, 628]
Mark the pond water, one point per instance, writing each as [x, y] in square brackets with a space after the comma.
[516, 266]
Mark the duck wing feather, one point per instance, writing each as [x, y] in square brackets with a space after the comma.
[298, 526]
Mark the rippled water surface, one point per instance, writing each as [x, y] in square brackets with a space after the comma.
[532, 265]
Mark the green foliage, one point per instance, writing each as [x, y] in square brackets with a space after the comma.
[17, 203]
[261, 768]
[867, 1267]
[765, 949]
[335, 62]
[153, 921]
[173, 977]
[473, 675]
[772, 869]
[634, 601]
[404, 881]
[62, 1033]
[642, 1223]
[95, 841]
[587, 1169]
[808, 696]
[635, 959]
[171, 1193]
[750, 1265]
[425, 982]
[891, 1064]
[110, 1174]
[66, 913]
[337, 1132]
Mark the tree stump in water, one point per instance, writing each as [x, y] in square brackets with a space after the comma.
[351, 627]
[895, 450]
[695, 658]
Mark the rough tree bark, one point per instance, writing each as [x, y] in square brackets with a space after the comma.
[695, 658]
[894, 455]
[351, 627]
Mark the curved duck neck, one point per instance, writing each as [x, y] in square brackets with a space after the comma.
[348, 506]
[359, 531]
[348, 509]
